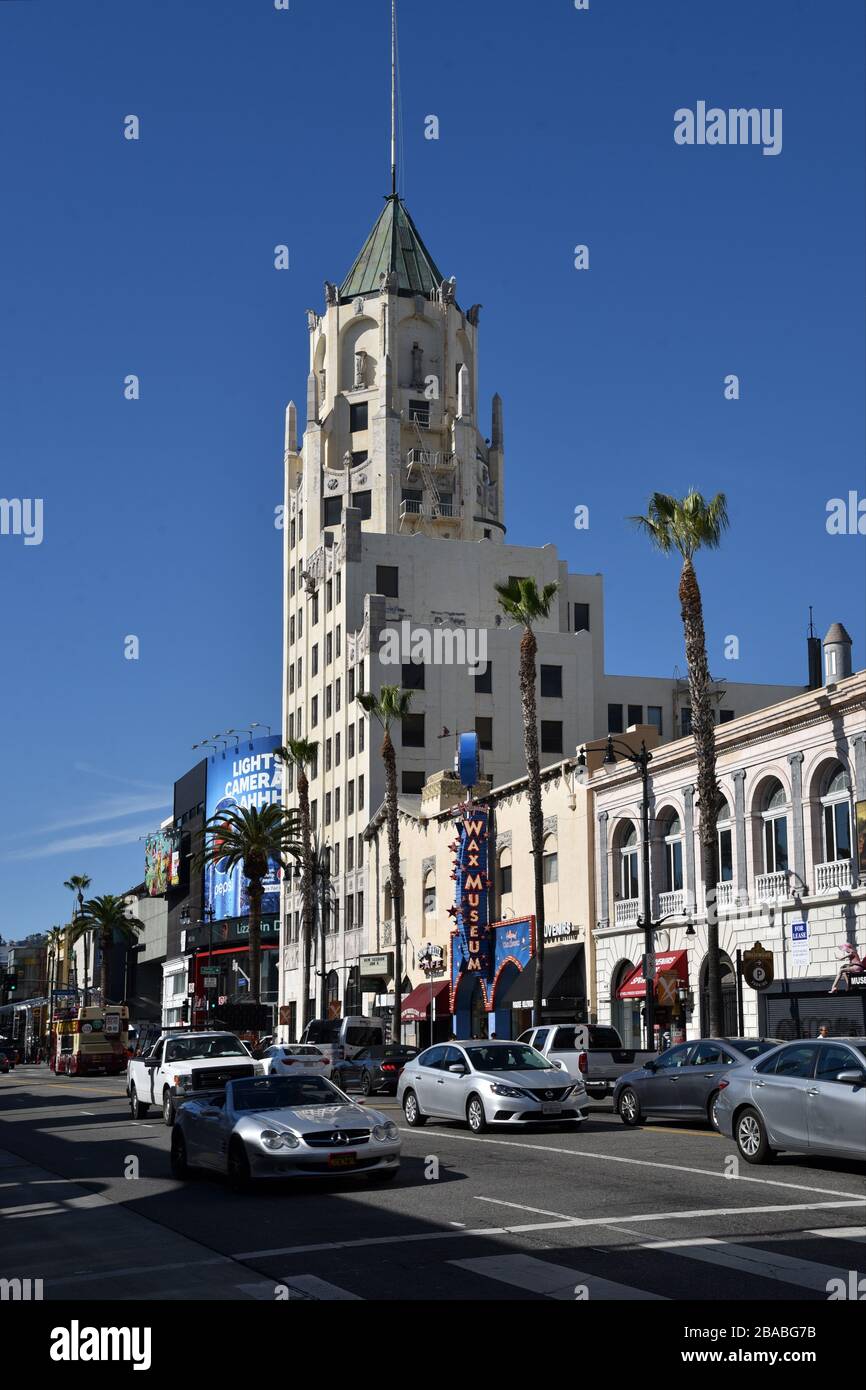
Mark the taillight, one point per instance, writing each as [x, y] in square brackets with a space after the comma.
[582, 1062]
[388, 1066]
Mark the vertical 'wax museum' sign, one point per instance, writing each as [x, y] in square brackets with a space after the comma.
[250, 778]
[471, 902]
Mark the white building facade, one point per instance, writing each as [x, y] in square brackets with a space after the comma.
[790, 779]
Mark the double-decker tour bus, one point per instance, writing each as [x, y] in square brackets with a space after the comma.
[91, 1041]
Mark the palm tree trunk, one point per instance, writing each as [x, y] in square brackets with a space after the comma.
[306, 893]
[254, 893]
[703, 729]
[390, 761]
[528, 653]
[105, 942]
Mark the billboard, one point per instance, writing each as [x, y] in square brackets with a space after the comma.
[161, 862]
[244, 778]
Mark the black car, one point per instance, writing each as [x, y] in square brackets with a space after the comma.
[683, 1083]
[9, 1056]
[374, 1068]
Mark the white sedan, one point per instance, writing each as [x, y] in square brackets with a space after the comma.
[294, 1059]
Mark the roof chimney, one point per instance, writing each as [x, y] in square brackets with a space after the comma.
[837, 654]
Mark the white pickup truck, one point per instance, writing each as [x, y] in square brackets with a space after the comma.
[592, 1053]
[182, 1065]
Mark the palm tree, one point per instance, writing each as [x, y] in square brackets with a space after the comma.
[688, 525]
[250, 836]
[56, 940]
[106, 919]
[521, 601]
[391, 703]
[77, 885]
[298, 754]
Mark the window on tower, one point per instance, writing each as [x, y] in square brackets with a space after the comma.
[364, 502]
[358, 417]
[333, 514]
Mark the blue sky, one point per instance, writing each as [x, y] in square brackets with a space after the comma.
[261, 127]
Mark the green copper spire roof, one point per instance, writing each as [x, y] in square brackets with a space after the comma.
[393, 245]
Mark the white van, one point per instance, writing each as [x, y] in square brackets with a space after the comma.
[341, 1038]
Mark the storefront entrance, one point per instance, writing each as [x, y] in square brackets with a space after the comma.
[799, 1013]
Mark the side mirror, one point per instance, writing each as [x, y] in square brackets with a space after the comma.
[852, 1077]
[457, 1068]
[559, 1063]
[650, 1066]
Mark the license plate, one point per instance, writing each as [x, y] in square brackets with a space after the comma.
[551, 1109]
[342, 1160]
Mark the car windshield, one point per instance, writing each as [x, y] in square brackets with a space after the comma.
[283, 1092]
[298, 1051]
[753, 1047]
[508, 1057]
[194, 1049]
[861, 1047]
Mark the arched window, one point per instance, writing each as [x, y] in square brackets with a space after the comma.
[724, 842]
[550, 860]
[836, 803]
[503, 869]
[673, 837]
[429, 893]
[628, 874]
[774, 810]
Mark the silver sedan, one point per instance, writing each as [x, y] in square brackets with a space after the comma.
[283, 1127]
[488, 1083]
[808, 1097]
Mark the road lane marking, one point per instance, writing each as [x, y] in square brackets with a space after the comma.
[646, 1163]
[765, 1264]
[552, 1280]
[672, 1215]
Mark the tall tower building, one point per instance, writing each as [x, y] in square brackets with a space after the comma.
[394, 537]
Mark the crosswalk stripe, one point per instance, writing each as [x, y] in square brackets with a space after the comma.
[552, 1280]
[841, 1232]
[746, 1259]
[317, 1288]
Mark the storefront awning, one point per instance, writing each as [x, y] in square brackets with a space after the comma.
[557, 959]
[416, 1006]
[671, 962]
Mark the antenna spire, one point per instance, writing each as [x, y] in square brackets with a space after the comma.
[393, 98]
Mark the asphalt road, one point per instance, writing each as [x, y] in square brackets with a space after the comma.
[87, 1204]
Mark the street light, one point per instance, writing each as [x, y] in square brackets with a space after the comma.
[641, 761]
[206, 920]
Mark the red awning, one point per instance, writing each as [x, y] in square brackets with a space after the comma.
[416, 1006]
[634, 985]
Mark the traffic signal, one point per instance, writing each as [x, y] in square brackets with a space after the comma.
[184, 1011]
[12, 982]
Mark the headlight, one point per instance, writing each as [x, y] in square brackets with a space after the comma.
[272, 1139]
[182, 1083]
[258, 1069]
[386, 1133]
[514, 1091]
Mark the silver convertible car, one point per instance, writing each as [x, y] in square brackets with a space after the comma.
[489, 1083]
[808, 1097]
[283, 1127]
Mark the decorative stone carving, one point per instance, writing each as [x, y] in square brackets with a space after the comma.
[389, 281]
[312, 319]
[347, 459]
[549, 825]
[358, 305]
[427, 864]
[474, 313]
[448, 291]
[333, 484]
[322, 377]
[503, 840]
[360, 370]
[331, 293]
[362, 478]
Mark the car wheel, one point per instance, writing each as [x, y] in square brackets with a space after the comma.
[751, 1136]
[475, 1117]
[179, 1165]
[412, 1111]
[629, 1108]
[711, 1111]
[240, 1177]
[136, 1109]
[167, 1107]
[366, 1084]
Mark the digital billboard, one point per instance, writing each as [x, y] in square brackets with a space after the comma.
[248, 777]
